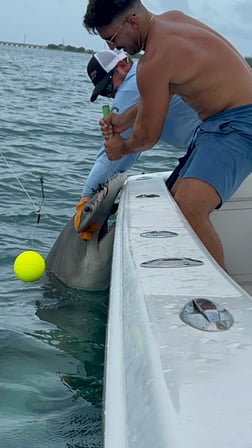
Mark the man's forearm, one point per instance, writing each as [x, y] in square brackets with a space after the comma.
[130, 116]
[139, 141]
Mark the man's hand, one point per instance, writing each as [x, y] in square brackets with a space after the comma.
[117, 123]
[115, 147]
[111, 124]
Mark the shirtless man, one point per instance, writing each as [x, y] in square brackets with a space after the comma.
[184, 57]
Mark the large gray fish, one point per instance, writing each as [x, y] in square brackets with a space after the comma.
[85, 264]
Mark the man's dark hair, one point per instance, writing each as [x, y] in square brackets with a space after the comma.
[103, 12]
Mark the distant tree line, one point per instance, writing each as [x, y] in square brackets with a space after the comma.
[62, 47]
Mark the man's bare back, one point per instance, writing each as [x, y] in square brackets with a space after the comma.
[198, 63]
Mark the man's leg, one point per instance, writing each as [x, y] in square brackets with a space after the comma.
[197, 199]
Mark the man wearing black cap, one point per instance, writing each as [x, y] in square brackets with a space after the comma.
[101, 68]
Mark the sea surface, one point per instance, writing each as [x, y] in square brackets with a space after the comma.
[51, 338]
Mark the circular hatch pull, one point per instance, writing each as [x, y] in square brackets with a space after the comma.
[203, 314]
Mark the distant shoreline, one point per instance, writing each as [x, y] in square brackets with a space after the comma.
[62, 47]
[58, 47]
[76, 49]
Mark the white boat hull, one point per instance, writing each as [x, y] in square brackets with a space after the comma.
[168, 384]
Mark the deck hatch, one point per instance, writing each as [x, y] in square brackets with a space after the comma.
[171, 263]
[158, 234]
[145, 177]
[203, 314]
[150, 195]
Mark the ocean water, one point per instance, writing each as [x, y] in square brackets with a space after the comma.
[51, 338]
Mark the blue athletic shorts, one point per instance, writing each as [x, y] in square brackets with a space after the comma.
[222, 151]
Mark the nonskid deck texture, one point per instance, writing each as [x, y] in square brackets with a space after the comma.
[168, 384]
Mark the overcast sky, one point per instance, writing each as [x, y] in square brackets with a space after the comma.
[57, 21]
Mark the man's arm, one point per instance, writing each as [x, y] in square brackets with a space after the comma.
[152, 108]
[126, 99]
[104, 169]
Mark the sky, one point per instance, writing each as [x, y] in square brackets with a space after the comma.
[60, 21]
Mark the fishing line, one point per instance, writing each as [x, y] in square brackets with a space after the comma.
[36, 209]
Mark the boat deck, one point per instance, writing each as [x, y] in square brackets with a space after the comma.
[168, 383]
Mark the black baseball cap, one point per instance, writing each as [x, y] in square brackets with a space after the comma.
[100, 67]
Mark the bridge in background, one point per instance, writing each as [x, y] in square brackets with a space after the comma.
[21, 44]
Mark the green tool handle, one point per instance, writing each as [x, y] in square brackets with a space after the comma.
[106, 111]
